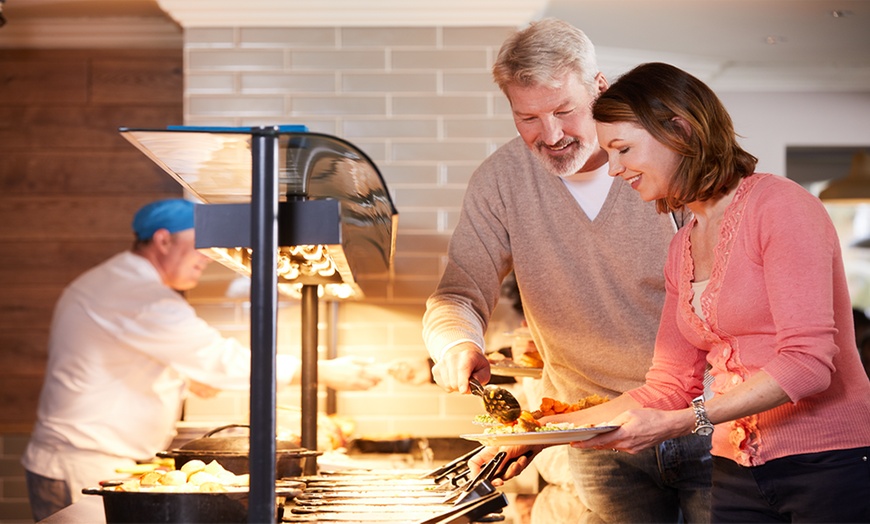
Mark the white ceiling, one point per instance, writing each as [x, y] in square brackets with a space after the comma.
[725, 42]
[728, 42]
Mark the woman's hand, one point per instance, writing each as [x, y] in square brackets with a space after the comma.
[640, 429]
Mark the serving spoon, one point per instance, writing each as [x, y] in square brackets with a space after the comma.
[498, 402]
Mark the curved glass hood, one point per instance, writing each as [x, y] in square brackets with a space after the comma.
[214, 165]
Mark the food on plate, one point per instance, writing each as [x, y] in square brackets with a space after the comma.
[194, 476]
[551, 406]
[530, 359]
[529, 421]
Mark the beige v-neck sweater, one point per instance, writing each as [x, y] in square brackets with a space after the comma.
[592, 291]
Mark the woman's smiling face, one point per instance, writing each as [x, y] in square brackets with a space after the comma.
[637, 157]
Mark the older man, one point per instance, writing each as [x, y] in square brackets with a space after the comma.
[588, 255]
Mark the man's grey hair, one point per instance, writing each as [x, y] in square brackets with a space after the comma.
[541, 55]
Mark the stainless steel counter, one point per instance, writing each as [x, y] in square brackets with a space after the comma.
[88, 510]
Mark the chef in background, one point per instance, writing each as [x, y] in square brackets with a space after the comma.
[124, 349]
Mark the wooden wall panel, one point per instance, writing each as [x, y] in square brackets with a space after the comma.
[26, 307]
[55, 262]
[24, 351]
[60, 172]
[74, 216]
[19, 397]
[75, 128]
[117, 81]
[45, 82]
[69, 185]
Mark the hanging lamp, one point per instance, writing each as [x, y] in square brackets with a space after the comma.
[855, 186]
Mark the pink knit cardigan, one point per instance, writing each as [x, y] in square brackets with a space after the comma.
[777, 300]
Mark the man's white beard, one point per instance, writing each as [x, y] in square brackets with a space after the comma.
[563, 166]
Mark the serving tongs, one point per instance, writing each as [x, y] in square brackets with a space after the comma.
[457, 467]
[480, 485]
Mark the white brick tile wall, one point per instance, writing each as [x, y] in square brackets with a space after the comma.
[209, 37]
[389, 82]
[420, 102]
[389, 37]
[430, 198]
[338, 105]
[439, 105]
[223, 83]
[452, 59]
[236, 105]
[287, 83]
[495, 128]
[283, 37]
[234, 60]
[487, 37]
[410, 174]
[392, 129]
[318, 60]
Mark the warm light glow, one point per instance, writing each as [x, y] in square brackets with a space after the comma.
[306, 260]
[295, 266]
[329, 291]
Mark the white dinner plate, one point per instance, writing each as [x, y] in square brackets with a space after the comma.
[515, 371]
[538, 437]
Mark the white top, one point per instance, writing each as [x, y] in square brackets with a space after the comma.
[120, 346]
[698, 288]
[590, 189]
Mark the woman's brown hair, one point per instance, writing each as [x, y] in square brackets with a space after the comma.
[685, 115]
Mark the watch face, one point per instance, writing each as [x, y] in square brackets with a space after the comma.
[704, 431]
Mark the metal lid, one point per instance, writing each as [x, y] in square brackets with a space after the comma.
[232, 444]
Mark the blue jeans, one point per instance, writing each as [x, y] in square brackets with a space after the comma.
[47, 496]
[830, 486]
[668, 483]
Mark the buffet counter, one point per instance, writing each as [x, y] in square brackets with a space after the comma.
[88, 510]
[371, 487]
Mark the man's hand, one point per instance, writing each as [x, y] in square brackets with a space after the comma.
[459, 364]
[410, 371]
[348, 373]
[201, 390]
[520, 455]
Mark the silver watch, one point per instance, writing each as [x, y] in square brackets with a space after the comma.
[703, 426]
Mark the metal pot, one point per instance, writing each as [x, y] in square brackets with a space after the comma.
[129, 507]
[170, 508]
[232, 453]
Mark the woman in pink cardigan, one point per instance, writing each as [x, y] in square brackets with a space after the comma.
[757, 295]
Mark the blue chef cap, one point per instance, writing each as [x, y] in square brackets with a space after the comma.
[174, 214]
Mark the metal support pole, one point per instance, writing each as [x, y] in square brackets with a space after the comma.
[309, 375]
[264, 310]
[331, 351]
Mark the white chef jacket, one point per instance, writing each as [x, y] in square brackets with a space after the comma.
[120, 346]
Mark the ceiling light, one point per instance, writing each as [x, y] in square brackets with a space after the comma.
[855, 186]
[841, 13]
